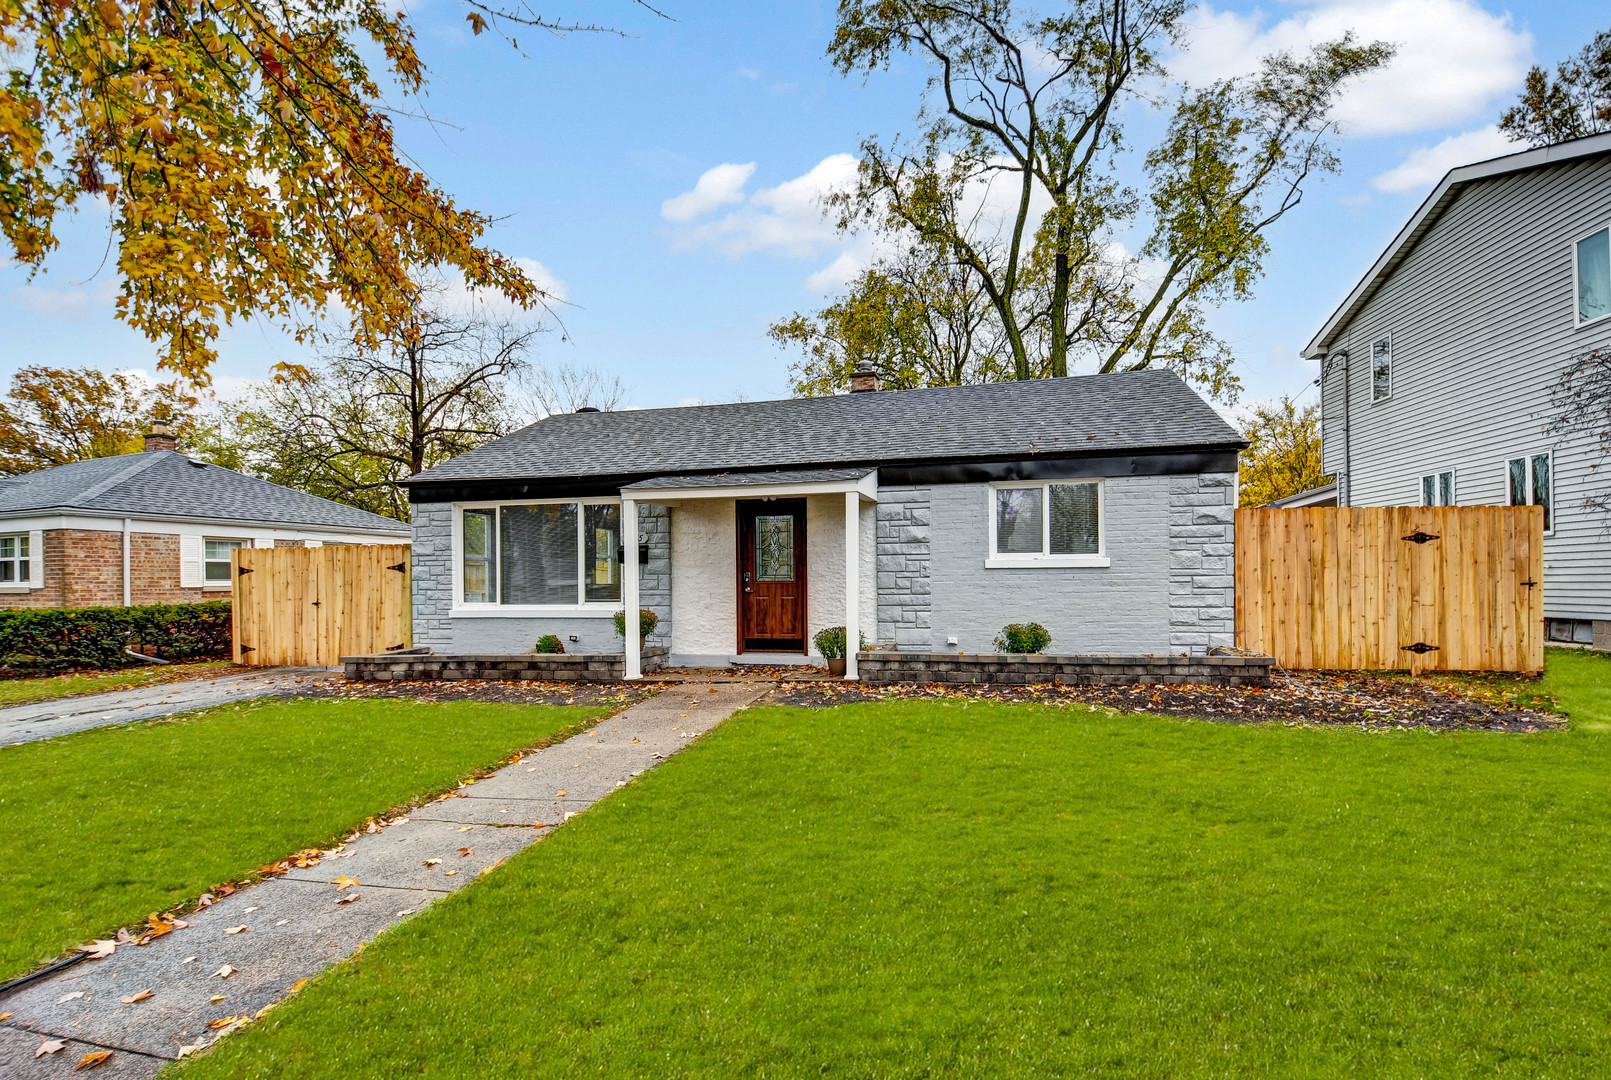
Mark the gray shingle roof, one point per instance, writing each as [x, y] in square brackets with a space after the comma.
[166, 484]
[751, 479]
[1123, 412]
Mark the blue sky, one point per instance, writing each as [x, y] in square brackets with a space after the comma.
[591, 150]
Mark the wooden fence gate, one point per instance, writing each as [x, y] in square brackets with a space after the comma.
[1428, 588]
[312, 606]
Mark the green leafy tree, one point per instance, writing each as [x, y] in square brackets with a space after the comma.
[1283, 456]
[1577, 102]
[52, 416]
[1014, 172]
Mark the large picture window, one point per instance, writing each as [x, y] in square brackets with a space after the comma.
[1592, 271]
[551, 554]
[1056, 523]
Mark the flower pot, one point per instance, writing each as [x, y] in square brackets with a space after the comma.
[836, 667]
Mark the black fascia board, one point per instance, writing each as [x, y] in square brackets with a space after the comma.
[1174, 461]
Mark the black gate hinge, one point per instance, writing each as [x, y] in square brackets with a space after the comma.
[400, 567]
[1419, 537]
[1419, 647]
[242, 571]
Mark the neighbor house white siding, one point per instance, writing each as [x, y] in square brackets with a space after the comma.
[1481, 319]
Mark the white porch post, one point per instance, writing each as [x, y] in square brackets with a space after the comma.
[629, 588]
[852, 581]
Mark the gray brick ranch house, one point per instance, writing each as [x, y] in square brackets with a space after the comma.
[1100, 506]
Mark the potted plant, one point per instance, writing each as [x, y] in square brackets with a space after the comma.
[1023, 638]
[647, 621]
[830, 642]
[549, 643]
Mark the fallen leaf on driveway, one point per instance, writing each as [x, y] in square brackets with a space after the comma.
[222, 1021]
[349, 898]
[249, 910]
[634, 739]
[294, 987]
[216, 998]
[186, 1051]
[463, 851]
[343, 882]
[65, 998]
[431, 862]
[92, 1059]
[224, 972]
[98, 949]
[405, 911]
[50, 1046]
[560, 794]
[236, 929]
[187, 960]
[465, 828]
[449, 873]
[5, 1016]
[132, 998]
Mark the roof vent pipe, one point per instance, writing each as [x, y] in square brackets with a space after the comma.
[864, 380]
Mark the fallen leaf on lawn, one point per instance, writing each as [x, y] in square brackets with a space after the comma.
[205, 900]
[50, 1046]
[349, 898]
[258, 1015]
[222, 1021]
[216, 998]
[187, 960]
[74, 996]
[560, 794]
[294, 987]
[224, 972]
[465, 828]
[489, 869]
[99, 949]
[236, 929]
[405, 911]
[186, 1051]
[449, 873]
[92, 1059]
[343, 882]
[141, 996]
[463, 851]
[570, 814]
[432, 862]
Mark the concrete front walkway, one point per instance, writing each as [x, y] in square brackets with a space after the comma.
[297, 924]
[63, 716]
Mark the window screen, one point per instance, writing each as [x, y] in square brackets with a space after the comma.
[538, 554]
[1594, 276]
[1073, 519]
[601, 559]
[1018, 521]
[480, 560]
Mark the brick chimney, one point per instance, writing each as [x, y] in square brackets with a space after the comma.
[864, 380]
[159, 439]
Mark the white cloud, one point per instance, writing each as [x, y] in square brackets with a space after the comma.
[747, 73]
[1426, 165]
[783, 220]
[1453, 57]
[457, 296]
[66, 303]
[717, 187]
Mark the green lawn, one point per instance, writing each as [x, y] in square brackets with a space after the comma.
[105, 826]
[49, 687]
[920, 889]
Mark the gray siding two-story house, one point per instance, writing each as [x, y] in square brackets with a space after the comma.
[1437, 370]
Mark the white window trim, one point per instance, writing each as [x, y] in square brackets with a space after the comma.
[226, 585]
[1434, 474]
[460, 609]
[25, 584]
[996, 561]
[1577, 322]
[1392, 365]
[1554, 483]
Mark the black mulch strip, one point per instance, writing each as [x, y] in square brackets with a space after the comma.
[518, 693]
[1332, 699]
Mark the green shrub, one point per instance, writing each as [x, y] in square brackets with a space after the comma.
[549, 643]
[1023, 638]
[60, 639]
[830, 642]
[647, 621]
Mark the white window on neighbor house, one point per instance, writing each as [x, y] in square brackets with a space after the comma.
[215, 560]
[1437, 489]
[1591, 274]
[15, 559]
[1381, 369]
[1051, 523]
[1530, 481]
[542, 554]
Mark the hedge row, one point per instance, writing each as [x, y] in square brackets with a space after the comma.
[63, 638]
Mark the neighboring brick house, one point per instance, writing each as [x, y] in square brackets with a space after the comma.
[154, 527]
[1100, 506]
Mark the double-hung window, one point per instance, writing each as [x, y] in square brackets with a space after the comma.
[1530, 481]
[215, 560]
[1052, 523]
[542, 555]
[1591, 273]
[1437, 489]
[1381, 369]
[14, 559]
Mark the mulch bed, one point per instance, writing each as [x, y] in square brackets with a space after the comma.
[1333, 699]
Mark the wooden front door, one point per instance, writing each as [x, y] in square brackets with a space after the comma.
[772, 575]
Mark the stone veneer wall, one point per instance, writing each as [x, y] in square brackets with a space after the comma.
[1019, 669]
[903, 558]
[503, 667]
[1202, 561]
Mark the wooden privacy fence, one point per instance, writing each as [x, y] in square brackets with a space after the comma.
[312, 606]
[1428, 588]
